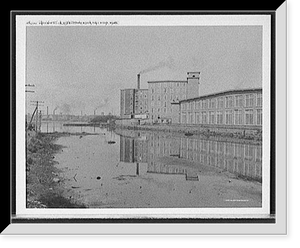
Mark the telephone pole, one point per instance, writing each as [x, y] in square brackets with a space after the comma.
[36, 112]
[27, 91]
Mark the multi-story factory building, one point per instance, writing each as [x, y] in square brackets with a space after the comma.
[162, 94]
[134, 102]
[127, 105]
[229, 108]
[178, 102]
[141, 102]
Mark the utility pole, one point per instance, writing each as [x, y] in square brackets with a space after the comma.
[28, 91]
[26, 125]
[36, 111]
[40, 120]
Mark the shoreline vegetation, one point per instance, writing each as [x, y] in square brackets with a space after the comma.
[252, 136]
[44, 185]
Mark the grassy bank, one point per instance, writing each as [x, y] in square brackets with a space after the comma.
[44, 186]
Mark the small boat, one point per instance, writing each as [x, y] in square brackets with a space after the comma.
[188, 134]
[111, 141]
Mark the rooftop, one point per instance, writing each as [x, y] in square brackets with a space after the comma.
[228, 92]
[168, 81]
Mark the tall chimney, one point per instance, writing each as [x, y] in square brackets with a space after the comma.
[138, 81]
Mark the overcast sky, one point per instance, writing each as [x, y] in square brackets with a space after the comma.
[83, 68]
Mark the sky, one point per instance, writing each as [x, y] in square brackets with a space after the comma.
[82, 69]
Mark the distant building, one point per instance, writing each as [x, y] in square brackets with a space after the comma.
[133, 102]
[127, 103]
[228, 108]
[141, 102]
[162, 94]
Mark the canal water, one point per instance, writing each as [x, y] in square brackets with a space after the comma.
[146, 169]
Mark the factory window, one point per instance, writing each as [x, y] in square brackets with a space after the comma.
[249, 117]
[183, 106]
[259, 100]
[239, 101]
[204, 104]
[211, 103]
[220, 102]
[228, 117]
[211, 117]
[191, 118]
[249, 100]
[238, 117]
[197, 118]
[183, 118]
[228, 102]
[219, 117]
[204, 120]
[259, 117]
[192, 105]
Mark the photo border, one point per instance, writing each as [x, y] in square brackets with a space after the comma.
[276, 96]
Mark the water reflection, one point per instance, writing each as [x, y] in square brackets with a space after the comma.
[149, 148]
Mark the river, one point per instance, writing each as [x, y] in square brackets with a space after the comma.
[146, 169]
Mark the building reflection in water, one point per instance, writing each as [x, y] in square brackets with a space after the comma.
[240, 158]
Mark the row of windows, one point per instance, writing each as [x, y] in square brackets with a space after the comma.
[248, 100]
[165, 97]
[229, 117]
[161, 110]
[165, 86]
[234, 150]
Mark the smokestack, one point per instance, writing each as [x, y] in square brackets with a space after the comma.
[138, 81]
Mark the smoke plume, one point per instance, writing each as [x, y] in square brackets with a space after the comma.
[169, 63]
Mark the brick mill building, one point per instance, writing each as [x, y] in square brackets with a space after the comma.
[229, 108]
[162, 94]
[178, 102]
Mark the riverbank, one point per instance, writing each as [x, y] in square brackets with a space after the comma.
[251, 135]
[44, 185]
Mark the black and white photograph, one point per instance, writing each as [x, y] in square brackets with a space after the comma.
[144, 117]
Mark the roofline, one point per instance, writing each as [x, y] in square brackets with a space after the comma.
[128, 89]
[133, 89]
[222, 93]
[168, 81]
